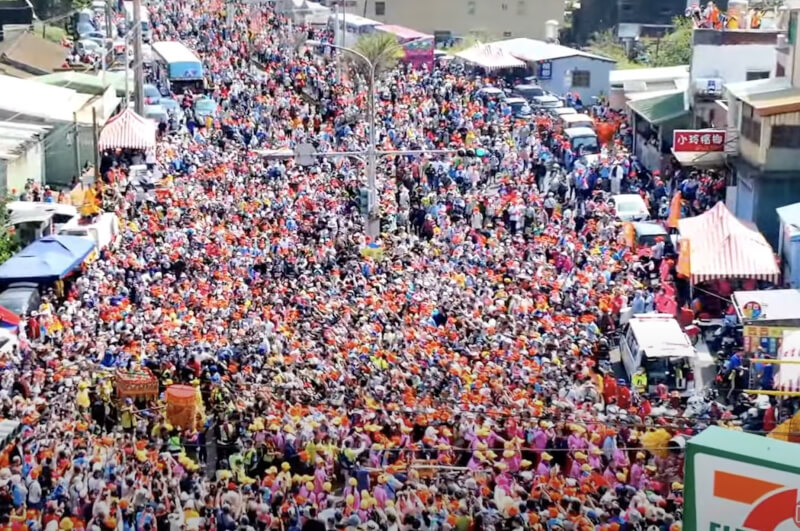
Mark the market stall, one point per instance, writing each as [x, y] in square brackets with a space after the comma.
[766, 315]
[46, 260]
[719, 246]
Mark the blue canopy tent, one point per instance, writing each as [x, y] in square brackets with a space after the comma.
[46, 260]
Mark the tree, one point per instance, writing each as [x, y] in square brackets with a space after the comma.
[382, 50]
[9, 243]
[605, 43]
[675, 48]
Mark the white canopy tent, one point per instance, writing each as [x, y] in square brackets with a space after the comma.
[490, 57]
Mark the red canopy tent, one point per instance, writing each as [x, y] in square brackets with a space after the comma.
[723, 247]
[128, 130]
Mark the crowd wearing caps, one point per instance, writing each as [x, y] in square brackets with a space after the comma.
[446, 376]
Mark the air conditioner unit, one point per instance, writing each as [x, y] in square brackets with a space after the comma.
[708, 86]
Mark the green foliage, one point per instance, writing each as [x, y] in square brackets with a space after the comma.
[605, 43]
[675, 48]
[9, 243]
[382, 50]
[81, 4]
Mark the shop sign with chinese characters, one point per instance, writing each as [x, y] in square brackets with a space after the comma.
[694, 140]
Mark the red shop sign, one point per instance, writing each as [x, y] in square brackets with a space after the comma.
[698, 140]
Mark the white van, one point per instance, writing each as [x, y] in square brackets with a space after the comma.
[569, 121]
[103, 232]
[584, 142]
[657, 343]
[33, 220]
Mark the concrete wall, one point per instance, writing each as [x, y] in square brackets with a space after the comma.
[760, 193]
[498, 18]
[598, 78]
[732, 63]
[28, 165]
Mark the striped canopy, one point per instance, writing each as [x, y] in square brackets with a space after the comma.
[723, 247]
[128, 130]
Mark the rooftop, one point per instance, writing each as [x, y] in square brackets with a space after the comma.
[659, 109]
[15, 136]
[648, 75]
[30, 53]
[734, 37]
[767, 96]
[531, 50]
[39, 100]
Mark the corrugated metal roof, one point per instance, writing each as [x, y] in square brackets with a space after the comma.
[78, 81]
[660, 109]
[15, 136]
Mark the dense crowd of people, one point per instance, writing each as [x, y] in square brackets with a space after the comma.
[452, 374]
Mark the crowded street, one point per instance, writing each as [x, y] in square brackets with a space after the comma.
[459, 371]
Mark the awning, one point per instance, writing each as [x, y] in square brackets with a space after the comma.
[723, 247]
[46, 260]
[490, 57]
[128, 130]
[700, 159]
[660, 109]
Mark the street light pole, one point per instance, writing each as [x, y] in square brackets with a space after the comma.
[138, 67]
[373, 222]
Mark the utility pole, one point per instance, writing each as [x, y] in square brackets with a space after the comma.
[110, 37]
[138, 62]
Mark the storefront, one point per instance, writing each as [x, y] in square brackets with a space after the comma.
[766, 315]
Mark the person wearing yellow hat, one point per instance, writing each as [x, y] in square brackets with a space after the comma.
[543, 469]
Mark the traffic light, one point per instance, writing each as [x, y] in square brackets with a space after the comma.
[363, 201]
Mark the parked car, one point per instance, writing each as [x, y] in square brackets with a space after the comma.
[557, 112]
[630, 207]
[170, 104]
[156, 113]
[490, 93]
[152, 96]
[519, 107]
[22, 298]
[547, 101]
[528, 91]
[205, 107]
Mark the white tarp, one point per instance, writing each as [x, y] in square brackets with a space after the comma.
[490, 57]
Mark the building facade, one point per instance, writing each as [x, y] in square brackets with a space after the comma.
[457, 18]
[725, 57]
[763, 123]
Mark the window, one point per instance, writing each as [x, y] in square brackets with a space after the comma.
[785, 136]
[757, 74]
[751, 125]
[545, 70]
[521, 7]
[471, 7]
[380, 9]
[506, 34]
[581, 78]
[792, 33]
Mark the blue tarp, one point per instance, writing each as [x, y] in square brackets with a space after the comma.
[46, 260]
